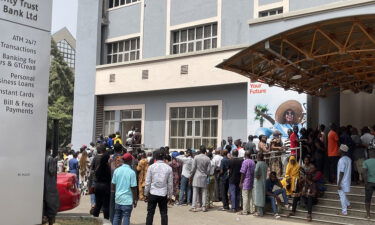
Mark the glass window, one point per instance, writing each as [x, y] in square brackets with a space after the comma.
[191, 127]
[123, 51]
[271, 12]
[117, 3]
[109, 122]
[194, 39]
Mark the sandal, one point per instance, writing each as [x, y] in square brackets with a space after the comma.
[193, 210]
[243, 213]
[309, 218]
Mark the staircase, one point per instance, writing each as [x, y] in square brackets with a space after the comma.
[328, 208]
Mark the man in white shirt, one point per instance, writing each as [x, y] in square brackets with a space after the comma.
[344, 173]
[159, 188]
[185, 187]
[241, 151]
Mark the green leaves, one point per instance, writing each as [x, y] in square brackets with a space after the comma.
[60, 96]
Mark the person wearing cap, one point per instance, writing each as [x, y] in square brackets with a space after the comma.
[369, 177]
[159, 188]
[124, 182]
[344, 174]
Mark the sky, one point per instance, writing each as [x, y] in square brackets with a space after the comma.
[64, 14]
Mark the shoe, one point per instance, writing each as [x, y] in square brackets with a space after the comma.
[224, 209]
[204, 209]
[193, 210]
[243, 213]
[290, 214]
[232, 211]
[309, 218]
[277, 216]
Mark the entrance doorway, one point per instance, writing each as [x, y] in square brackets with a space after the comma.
[131, 118]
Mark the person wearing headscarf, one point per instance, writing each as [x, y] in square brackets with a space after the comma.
[142, 170]
[291, 175]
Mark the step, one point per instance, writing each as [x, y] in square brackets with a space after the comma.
[333, 210]
[303, 218]
[353, 189]
[334, 218]
[352, 197]
[337, 203]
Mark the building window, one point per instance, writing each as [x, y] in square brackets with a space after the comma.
[109, 122]
[194, 39]
[116, 3]
[123, 51]
[270, 12]
[191, 127]
[67, 52]
[131, 118]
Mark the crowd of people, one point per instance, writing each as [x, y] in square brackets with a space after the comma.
[245, 177]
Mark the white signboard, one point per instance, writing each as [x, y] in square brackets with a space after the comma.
[24, 71]
[273, 108]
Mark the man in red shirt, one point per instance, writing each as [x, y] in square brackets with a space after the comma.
[294, 140]
[333, 152]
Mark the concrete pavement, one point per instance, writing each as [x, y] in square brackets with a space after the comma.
[180, 215]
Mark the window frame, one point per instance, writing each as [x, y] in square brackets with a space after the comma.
[121, 3]
[168, 121]
[195, 40]
[126, 50]
[111, 122]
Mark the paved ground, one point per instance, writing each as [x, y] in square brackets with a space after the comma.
[179, 215]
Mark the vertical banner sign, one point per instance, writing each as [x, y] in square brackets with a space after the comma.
[273, 109]
[24, 71]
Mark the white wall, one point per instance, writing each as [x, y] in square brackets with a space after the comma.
[357, 109]
[165, 74]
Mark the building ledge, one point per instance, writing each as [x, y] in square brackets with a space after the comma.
[310, 11]
[172, 57]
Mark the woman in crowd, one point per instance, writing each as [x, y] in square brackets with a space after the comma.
[319, 150]
[84, 165]
[276, 149]
[307, 164]
[291, 175]
[102, 187]
[307, 191]
[176, 172]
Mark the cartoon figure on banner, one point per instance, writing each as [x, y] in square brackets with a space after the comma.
[288, 114]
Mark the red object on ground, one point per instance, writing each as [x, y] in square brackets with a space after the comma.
[69, 193]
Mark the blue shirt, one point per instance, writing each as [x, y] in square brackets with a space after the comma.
[73, 166]
[124, 178]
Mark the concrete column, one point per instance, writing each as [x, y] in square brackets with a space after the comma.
[312, 111]
[118, 121]
[87, 57]
[329, 108]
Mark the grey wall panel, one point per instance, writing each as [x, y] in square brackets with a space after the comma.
[183, 11]
[235, 29]
[124, 21]
[265, 2]
[303, 4]
[155, 22]
[234, 108]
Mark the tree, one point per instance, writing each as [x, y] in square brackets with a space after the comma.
[260, 112]
[60, 96]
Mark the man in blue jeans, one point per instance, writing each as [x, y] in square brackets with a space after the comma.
[273, 196]
[185, 188]
[124, 181]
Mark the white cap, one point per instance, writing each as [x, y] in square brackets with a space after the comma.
[344, 148]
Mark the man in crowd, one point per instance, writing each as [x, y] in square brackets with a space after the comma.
[273, 196]
[234, 167]
[159, 188]
[369, 177]
[344, 174]
[50, 194]
[94, 166]
[294, 141]
[224, 179]
[230, 143]
[124, 182]
[185, 187]
[217, 161]
[241, 151]
[333, 152]
[246, 183]
[199, 173]
[250, 145]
